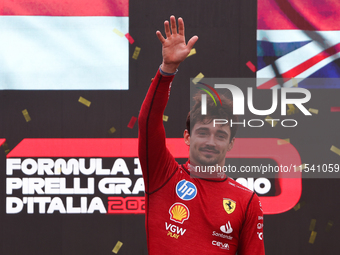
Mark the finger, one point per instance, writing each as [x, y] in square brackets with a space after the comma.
[160, 37]
[167, 29]
[173, 25]
[180, 26]
[192, 41]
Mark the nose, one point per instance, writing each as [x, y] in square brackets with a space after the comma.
[211, 141]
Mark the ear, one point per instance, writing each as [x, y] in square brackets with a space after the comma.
[186, 136]
[231, 144]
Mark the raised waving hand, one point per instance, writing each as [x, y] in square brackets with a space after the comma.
[174, 49]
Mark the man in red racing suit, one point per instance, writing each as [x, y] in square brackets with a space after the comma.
[184, 214]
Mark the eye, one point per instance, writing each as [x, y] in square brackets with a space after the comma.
[221, 137]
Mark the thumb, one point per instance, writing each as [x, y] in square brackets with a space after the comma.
[192, 41]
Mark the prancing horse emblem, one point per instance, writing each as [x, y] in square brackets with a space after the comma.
[229, 205]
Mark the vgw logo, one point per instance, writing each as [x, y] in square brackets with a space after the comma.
[239, 105]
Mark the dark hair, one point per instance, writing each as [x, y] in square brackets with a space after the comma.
[224, 111]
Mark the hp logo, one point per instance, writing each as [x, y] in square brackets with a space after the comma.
[186, 190]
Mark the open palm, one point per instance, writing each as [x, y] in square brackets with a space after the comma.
[175, 49]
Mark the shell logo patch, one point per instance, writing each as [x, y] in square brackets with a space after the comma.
[229, 205]
[179, 212]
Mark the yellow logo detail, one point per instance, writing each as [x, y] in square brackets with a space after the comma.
[179, 212]
[229, 205]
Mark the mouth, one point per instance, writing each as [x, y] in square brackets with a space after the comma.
[208, 151]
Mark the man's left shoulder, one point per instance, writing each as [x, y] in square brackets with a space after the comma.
[239, 191]
[239, 188]
[242, 198]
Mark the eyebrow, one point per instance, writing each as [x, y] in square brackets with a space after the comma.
[207, 129]
[223, 132]
[202, 129]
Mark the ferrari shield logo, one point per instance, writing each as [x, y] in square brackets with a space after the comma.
[229, 205]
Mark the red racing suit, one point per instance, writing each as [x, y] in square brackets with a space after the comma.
[186, 215]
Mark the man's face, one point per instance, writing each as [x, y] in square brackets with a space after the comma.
[208, 144]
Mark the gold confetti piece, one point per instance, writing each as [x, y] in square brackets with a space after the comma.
[198, 78]
[5, 146]
[283, 141]
[84, 101]
[312, 237]
[165, 118]
[112, 130]
[117, 247]
[335, 150]
[136, 53]
[26, 115]
[329, 225]
[271, 121]
[192, 52]
[290, 112]
[292, 109]
[312, 225]
[300, 168]
[116, 31]
[297, 207]
[58, 171]
[295, 83]
[315, 111]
